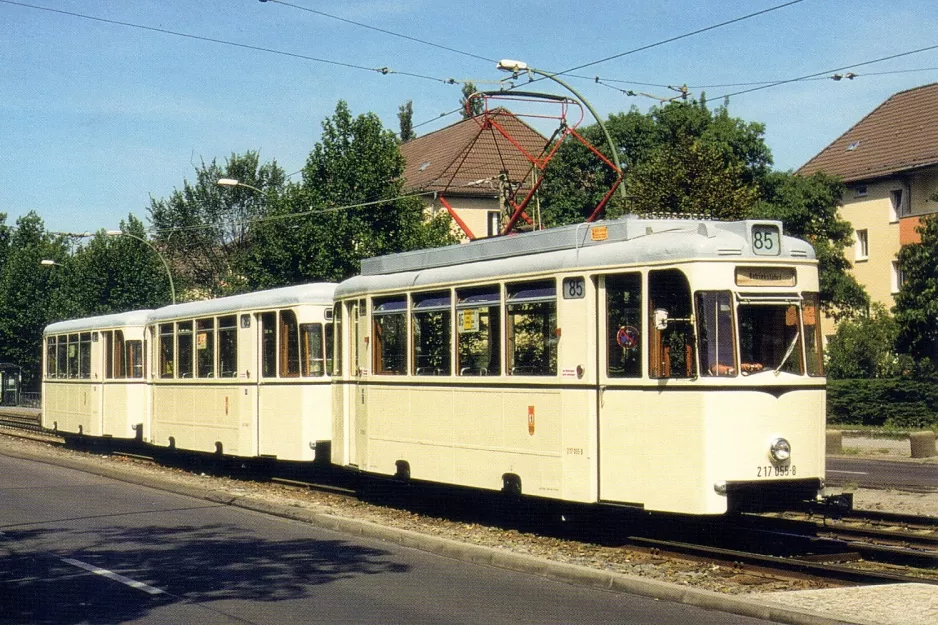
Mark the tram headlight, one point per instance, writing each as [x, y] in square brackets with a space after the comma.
[780, 450]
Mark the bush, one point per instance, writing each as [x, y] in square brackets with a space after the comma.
[892, 402]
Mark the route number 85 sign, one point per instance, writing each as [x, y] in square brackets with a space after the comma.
[766, 240]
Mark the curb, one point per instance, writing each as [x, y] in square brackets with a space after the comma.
[484, 556]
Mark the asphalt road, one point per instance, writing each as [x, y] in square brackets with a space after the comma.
[881, 473]
[78, 548]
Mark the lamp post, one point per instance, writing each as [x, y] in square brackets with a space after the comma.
[515, 67]
[169, 274]
[231, 182]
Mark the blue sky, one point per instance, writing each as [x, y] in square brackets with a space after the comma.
[98, 117]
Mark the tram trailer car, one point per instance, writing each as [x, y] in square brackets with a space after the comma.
[246, 375]
[93, 380]
[669, 365]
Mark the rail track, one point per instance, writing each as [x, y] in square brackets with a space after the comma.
[862, 547]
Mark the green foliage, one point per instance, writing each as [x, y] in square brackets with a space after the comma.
[893, 402]
[344, 209]
[863, 347]
[206, 230]
[807, 208]
[405, 115]
[916, 309]
[25, 292]
[475, 105]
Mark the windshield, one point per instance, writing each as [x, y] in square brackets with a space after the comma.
[769, 339]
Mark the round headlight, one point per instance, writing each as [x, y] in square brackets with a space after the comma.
[780, 450]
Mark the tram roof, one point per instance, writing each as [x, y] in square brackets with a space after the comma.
[315, 293]
[625, 241]
[117, 320]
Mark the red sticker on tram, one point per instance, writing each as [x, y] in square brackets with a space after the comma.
[531, 420]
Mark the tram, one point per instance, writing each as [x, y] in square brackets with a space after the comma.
[93, 376]
[246, 375]
[671, 365]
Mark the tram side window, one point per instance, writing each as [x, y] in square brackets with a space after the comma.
[72, 367]
[432, 329]
[531, 330]
[205, 348]
[814, 353]
[717, 343]
[134, 359]
[184, 351]
[330, 345]
[624, 323]
[119, 363]
[269, 345]
[51, 350]
[107, 347]
[289, 345]
[390, 336]
[337, 360]
[671, 347]
[84, 356]
[167, 351]
[61, 357]
[312, 350]
[478, 328]
[228, 346]
[769, 338]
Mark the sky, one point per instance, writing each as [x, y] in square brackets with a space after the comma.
[107, 104]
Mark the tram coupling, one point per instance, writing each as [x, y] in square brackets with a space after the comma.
[832, 506]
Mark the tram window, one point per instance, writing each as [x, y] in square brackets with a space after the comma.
[269, 345]
[671, 348]
[532, 328]
[134, 359]
[184, 351]
[311, 350]
[814, 362]
[337, 322]
[205, 348]
[72, 355]
[716, 342]
[330, 345]
[51, 351]
[167, 350]
[623, 325]
[390, 336]
[118, 363]
[84, 356]
[478, 331]
[228, 346]
[769, 338]
[289, 345]
[432, 330]
[107, 347]
[61, 357]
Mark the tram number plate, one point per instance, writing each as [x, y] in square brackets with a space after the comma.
[772, 471]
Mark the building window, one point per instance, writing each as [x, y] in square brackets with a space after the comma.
[898, 204]
[862, 245]
[494, 223]
[860, 190]
[897, 277]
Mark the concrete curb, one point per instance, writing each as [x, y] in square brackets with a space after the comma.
[475, 554]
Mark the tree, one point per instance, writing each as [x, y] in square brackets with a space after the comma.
[808, 209]
[405, 114]
[205, 231]
[864, 347]
[348, 206]
[474, 107]
[916, 308]
[25, 294]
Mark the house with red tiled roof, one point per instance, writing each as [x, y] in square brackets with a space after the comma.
[889, 162]
[468, 167]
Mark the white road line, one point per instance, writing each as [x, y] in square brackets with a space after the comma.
[850, 472]
[111, 575]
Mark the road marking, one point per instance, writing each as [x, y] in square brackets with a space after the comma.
[111, 575]
[850, 472]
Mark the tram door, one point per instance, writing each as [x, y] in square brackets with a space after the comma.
[358, 406]
[621, 410]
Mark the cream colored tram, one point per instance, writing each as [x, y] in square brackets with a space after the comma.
[93, 376]
[670, 365]
[246, 375]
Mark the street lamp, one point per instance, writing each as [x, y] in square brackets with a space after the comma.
[516, 67]
[169, 274]
[45, 262]
[232, 182]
